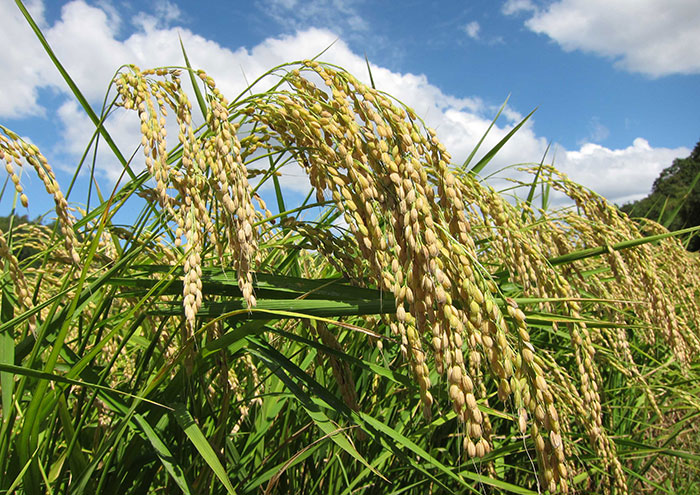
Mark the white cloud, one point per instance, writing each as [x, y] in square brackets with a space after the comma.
[621, 175]
[472, 30]
[91, 52]
[653, 37]
[84, 39]
[24, 64]
[77, 129]
[516, 6]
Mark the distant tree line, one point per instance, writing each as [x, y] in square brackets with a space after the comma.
[16, 221]
[675, 197]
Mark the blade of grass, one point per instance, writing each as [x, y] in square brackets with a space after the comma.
[278, 364]
[43, 375]
[369, 71]
[371, 425]
[278, 189]
[77, 459]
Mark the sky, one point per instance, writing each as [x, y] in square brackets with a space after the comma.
[615, 83]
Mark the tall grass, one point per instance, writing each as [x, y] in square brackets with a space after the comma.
[421, 334]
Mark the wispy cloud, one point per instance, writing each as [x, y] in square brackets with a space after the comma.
[597, 132]
[516, 6]
[344, 18]
[165, 13]
[341, 17]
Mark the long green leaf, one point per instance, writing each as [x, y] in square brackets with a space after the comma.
[478, 145]
[163, 453]
[533, 187]
[392, 438]
[277, 362]
[7, 357]
[189, 426]
[597, 251]
[43, 375]
[195, 86]
[488, 156]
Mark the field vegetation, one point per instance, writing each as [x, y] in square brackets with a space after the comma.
[405, 329]
[674, 200]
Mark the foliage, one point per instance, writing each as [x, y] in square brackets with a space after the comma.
[675, 197]
[421, 333]
[5, 221]
[21, 225]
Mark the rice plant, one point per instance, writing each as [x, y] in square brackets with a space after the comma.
[421, 334]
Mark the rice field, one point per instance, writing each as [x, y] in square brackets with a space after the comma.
[405, 329]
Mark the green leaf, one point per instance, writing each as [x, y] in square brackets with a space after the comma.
[77, 458]
[369, 71]
[189, 426]
[278, 188]
[531, 193]
[478, 145]
[488, 156]
[22, 371]
[353, 361]
[277, 363]
[7, 382]
[502, 486]
[402, 441]
[198, 93]
[163, 453]
[597, 251]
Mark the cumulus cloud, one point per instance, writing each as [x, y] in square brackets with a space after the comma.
[24, 70]
[621, 175]
[77, 130]
[652, 37]
[91, 51]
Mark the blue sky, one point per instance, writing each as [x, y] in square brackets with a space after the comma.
[615, 82]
